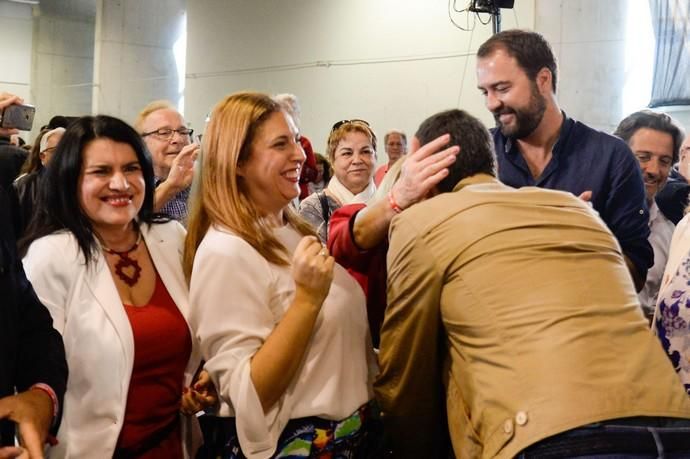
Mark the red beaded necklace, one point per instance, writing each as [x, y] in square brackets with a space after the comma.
[126, 262]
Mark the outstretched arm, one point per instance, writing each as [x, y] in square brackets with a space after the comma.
[422, 170]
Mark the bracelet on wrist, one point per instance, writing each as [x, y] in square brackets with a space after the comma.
[393, 203]
[45, 388]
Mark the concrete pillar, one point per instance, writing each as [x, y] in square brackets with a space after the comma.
[62, 59]
[134, 58]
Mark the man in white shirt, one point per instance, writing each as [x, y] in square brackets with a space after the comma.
[655, 140]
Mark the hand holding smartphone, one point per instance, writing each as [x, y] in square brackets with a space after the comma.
[17, 116]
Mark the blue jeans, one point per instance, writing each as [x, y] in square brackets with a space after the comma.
[628, 438]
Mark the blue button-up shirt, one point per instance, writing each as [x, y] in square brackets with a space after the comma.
[176, 207]
[585, 159]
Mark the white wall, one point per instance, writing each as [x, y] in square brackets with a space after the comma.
[391, 62]
[16, 25]
[589, 40]
[135, 63]
[62, 70]
[387, 62]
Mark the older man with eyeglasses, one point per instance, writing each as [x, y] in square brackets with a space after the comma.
[169, 140]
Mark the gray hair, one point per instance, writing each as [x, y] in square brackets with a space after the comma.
[47, 135]
[289, 103]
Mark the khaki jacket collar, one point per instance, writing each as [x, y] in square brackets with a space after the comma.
[474, 180]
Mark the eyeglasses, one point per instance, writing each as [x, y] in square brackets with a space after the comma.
[167, 133]
[341, 122]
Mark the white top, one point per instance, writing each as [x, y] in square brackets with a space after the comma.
[237, 299]
[661, 232]
[99, 345]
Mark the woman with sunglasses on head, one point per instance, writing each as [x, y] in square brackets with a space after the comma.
[282, 328]
[110, 273]
[351, 150]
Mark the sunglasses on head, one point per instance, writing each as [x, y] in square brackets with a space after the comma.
[341, 122]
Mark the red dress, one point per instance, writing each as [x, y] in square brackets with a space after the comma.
[162, 345]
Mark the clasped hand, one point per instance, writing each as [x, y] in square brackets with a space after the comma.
[201, 395]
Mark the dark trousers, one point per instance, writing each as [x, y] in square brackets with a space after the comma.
[641, 437]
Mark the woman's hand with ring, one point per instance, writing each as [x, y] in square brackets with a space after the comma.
[312, 269]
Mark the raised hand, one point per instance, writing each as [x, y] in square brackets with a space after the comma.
[200, 396]
[423, 169]
[312, 270]
[7, 99]
[182, 169]
[32, 412]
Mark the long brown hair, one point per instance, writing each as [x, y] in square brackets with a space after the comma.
[33, 160]
[219, 196]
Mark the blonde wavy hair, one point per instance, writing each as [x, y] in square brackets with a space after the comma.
[219, 195]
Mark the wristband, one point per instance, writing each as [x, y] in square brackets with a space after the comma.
[394, 205]
[51, 440]
[51, 393]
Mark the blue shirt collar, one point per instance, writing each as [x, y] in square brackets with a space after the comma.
[510, 147]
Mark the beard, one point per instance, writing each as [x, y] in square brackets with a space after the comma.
[527, 119]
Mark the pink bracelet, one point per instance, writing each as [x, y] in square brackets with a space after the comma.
[51, 393]
[51, 440]
[394, 205]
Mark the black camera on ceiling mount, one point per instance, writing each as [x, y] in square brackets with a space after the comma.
[490, 6]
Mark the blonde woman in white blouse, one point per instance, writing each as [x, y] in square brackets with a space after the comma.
[283, 329]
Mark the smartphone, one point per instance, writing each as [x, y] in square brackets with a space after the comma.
[18, 117]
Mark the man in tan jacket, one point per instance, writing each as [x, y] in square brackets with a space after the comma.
[511, 314]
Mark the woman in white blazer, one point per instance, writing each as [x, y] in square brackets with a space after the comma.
[671, 320]
[110, 273]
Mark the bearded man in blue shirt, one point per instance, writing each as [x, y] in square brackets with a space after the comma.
[537, 144]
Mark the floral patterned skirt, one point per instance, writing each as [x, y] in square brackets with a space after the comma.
[357, 436]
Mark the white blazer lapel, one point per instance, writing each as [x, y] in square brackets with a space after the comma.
[100, 282]
[165, 245]
[166, 254]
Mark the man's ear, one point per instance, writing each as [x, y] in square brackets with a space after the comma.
[414, 144]
[543, 80]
